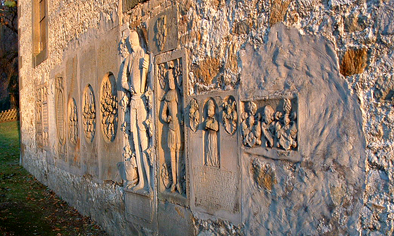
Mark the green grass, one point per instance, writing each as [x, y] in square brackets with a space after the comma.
[26, 206]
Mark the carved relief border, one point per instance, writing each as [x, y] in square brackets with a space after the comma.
[170, 91]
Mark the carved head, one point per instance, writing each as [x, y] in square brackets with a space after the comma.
[210, 108]
[268, 114]
[251, 108]
[134, 39]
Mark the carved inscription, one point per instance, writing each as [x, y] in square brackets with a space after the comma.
[72, 121]
[211, 126]
[216, 190]
[272, 124]
[194, 115]
[109, 108]
[89, 113]
[230, 115]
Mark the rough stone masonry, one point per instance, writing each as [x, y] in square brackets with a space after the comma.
[212, 117]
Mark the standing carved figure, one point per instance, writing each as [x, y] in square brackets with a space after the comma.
[287, 133]
[134, 80]
[73, 121]
[172, 116]
[251, 130]
[211, 136]
[268, 126]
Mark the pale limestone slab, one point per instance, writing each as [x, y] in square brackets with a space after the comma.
[163, 31]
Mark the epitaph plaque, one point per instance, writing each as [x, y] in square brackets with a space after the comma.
[213, 152]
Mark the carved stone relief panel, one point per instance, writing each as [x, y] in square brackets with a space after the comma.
[72, 121]
[269, 127]
[137, 167]
[42, 124]
[170, 107]
[163, 31]
[89, 113]
[137, 124]
[60, 107]
[109, 108]
[214, 156]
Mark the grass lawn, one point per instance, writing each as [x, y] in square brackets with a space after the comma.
[26, 206]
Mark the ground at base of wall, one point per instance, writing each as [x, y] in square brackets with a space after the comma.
[26, 206]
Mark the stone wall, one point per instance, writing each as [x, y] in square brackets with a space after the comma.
[283, 122]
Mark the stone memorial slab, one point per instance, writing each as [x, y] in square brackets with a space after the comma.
[163, 31]
[213, 151]
[138, 159]
[41, 116]
[60, 117]
[73, 119]
[170, 88]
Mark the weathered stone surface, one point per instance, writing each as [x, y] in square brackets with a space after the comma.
[316, 181]
[354, 61]
[206, 71]
[278, 11]
[328, 113]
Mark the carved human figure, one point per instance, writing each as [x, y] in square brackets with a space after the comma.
[194, 115]
[73, 121]
[211, 136]
[230, 115]
[287, 133]
[268, 127]
[251, 130]
[134, 80]
[172, 116]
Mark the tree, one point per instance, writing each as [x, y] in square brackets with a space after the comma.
[8, 54]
